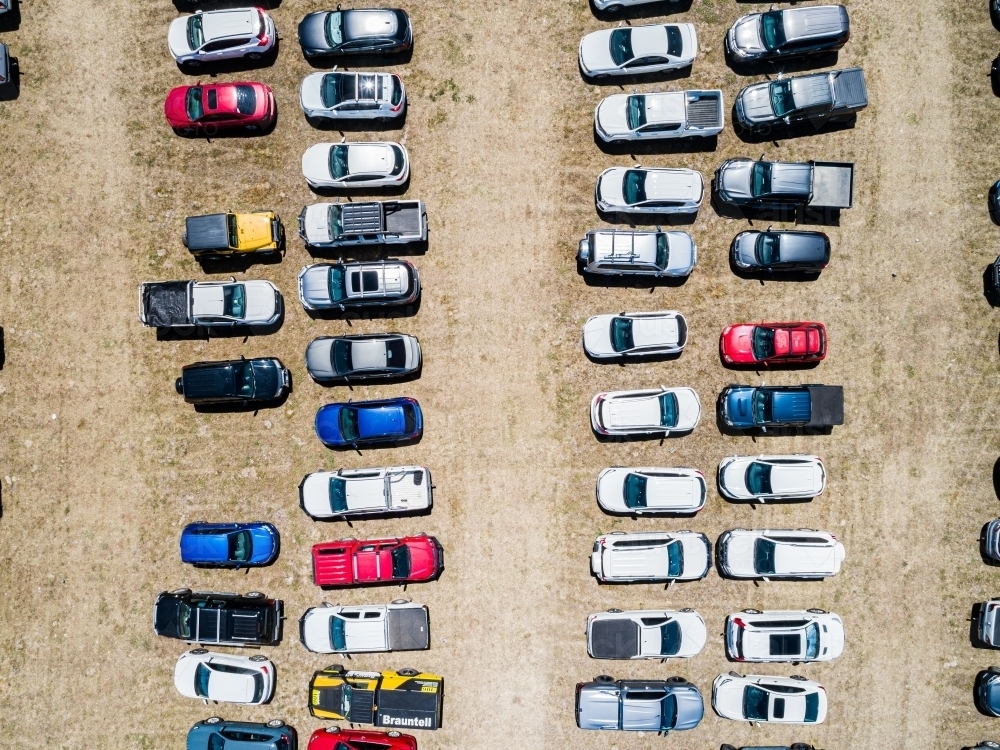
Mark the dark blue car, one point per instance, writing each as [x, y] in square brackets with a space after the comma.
[355, 424]
[746, 407]
[229, 545]
[215, 734]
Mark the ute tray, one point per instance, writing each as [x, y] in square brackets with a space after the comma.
[408, 629]
[614, 639]
[165, 304]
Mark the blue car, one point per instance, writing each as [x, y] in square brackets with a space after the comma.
[353, 424]
[746, 407]
[229, 545]
[215, 734]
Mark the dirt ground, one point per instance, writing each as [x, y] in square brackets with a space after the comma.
[102, 464]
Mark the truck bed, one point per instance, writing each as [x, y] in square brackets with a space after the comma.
[833, 184]
[409, 629]
[827, 405]
[704, 109]
[849, 90]
[614, 639]
[404, 218]
[165, 304]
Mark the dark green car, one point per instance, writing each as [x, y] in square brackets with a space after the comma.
[238, 381]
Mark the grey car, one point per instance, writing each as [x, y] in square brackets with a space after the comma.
[990, 540]
[831, 96]
[788, 34]
[659, 706]
[782, 251]
[362, 357]
[352, 96]
[988, 623]
[613, 252]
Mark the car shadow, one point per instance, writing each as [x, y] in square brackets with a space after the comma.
[782, 132]
[642, 12]
[983, 554]
[375, 192]
[990, 291]
[610, 439]
[764, 276]
[202, 333]
[422, 513]
[666, 146]
[633, 220]
[361, 62]
[3, 349]
[773, 67]
[325, 125]
[210, 133]
[240, 65]
[804, 215]
[772, 431]
[631, 282]
[634, 359]
[382, 313]
[11, 20]
[394, 380]
[11, 90]
[996, 464]
[190, 6]
[368, 252]
[240, 408]
[239, 263]
[639, 79]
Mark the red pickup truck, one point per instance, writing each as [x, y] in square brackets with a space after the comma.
[352, 562]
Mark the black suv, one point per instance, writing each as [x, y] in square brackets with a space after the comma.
[237, 381]
[218, 618]
[358, 31]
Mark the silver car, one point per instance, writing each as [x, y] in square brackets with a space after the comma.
[356, 165]
[789, 33]
[352, 96]
[632, 50]
[658, 706]
[216, 35]
[649, 192]
[988, 623]
[659, 116]
[614, 252]
[362, 357]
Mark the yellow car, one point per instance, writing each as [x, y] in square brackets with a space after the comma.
[233, 234]
[394, 700]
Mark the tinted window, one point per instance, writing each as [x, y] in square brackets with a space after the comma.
[772, 29]
[781, 97]
[195, 110]
[233, 301]
[778, 708]
[337, 637]
[662, 251]
[668, 410]
[334, 33]
[621, 46]
[401, 562]
[634, 187]
[202, 674]
[621, 334]
[675, 43]
[760, 179]
[216, 742]
[812, 707]
[329, 89]
[240, 546]
[338, 162]
[338, 495]
[337, 283]
[763, 342]
[409, 419]
[812, 641]
[246, 100]
[636, 112]
[758, 478]
[369, 281]
[670, 638]
[763, 556]
[675, 559]
[348, 423]
[341, 357]
[767, 249]
[755, 703]
[669, 716]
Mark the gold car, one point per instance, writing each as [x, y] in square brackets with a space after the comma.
[395, 700]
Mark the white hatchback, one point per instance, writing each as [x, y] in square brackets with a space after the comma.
[651, 556]
[645, 634]
[767, 699]
[651, 490]
[223, 678]
[216, 35]
[656, 412]
[649, 191]
[631, 50]
[356, 165]
[777, 636]
[762, 478]
[803, 554]
[635, 334]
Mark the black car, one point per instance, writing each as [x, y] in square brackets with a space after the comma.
[237, 381]
[351, 32]
[218, 618]
[782, 251]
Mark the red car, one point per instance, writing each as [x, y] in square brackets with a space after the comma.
[218, 107]
[773, 343]
[349, 562]
[333, 738]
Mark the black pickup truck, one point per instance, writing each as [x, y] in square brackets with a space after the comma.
[222, 619]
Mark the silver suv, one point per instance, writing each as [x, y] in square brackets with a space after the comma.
[787, 34]
[613, 252]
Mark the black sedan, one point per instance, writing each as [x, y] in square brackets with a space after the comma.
[238, 381]
[783, 251]
[351, 32]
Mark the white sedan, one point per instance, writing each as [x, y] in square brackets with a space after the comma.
[663, 332]
[645, 634]
[776, 636]
[656, 411]
[761, 478]
[767, 699]
[356, 165]
[649, 191]
[632, 50]
[659, 116]
[651, 490]
[223, 678]
[803, 554]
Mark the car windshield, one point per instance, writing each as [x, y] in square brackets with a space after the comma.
[781, 97]
[201, 677]
[636, 112]
[349, 423]
[755, 703]
[670, 638]
[234, 301]
[184, 620]
[635, 491]
[329, 89]
[759, 478]
[675, 560]
[669, 716]
[760, 178]
[634, 187]
[232, 230]
[668, 410]
[337, 637]
[245, 382]
[761, 407]
[338, 162]
[340, 357]
[336, 283]
[763, 556]
[195, 108]
[338, 495]
[621, 46]
[812, 708]
[334, 29]
[772, 29]
[763, 342]
[336, 221]
[246, 100]
[812, 641]
[240, 546]
[767, 249]
[196, 37]
[401, 562]
[662, 251]
[621, 334]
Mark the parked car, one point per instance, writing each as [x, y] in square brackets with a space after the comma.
[222, 678]
[209, 304]
[655, 412]
[659, 116]
[638, 334]
[349, 562]
[229, 545]
[213, 734]
[988, 623]
[218, 619]
[400, 626]
[767, 699]
[645, 634]
[356, 166]
[651, 490]
[353, 493]
[651, 556]
[788, 34]
[792, 554]
[358, 285]
[632, 50]
[355, 31]
[405, 698]
[216, 35]
[819, 98]
[6, 6]
[782, 407]
[773, 343]
[362, 357]
[7, 65]
[781, 251]
[775, 636]
[784, 185]
[237, 381]
[660, 706]
[761, 478]
[335, 738]
[231, 234]
[987, 691]
[369, 423]
[649, 192]
[342, 96]
[614, 252]
[990, 540]
[220, 107]
[330, 226]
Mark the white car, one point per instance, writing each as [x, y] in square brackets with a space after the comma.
[659, 116]
[356, 165]
[804, 554]
[216, 35]
[761, 478]
[651, 490]
[656, 411]
[352, 95]
[651, 556]
[223, 678]
[649, 191]
[767, 699]
[614, 6]
[632, 50]
[645, 634]
[400, 626]
[635, 334]
[349, 493]
[776, 636]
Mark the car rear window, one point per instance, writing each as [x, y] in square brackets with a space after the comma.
[812, 707]
[409, 419]
[675, 42]
[246, 100]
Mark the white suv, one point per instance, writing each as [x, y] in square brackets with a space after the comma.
[658, 412]
[762, 478]
[803, 554]
[651, 557]
[216, 35]
[649, 191]
[774, 636]
[651, 490]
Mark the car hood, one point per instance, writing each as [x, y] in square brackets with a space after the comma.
[835, 638]
[312, 31]
[738, 406]
[595, 51]
[328, 425]
[316, 629]
[175, 105]
[254, 230]
[262, 300]
[991, 693]
[316, 494]
[316, 163]
[311, 91]
[746, 33]
[733, 477]
[738, 554]
[177, 39]
[727, 698]
[318, 358]
[690, 708]
[316, 221]
[756, 102]
[610, 486]
[423, 564]
[597, 334]
[738, 340]
[746, 248]
[264, 543]
[683, 252]
[734, 178]
[609, 186]
[315, 285]
[166, 617]
[598, 707]
[612, 114]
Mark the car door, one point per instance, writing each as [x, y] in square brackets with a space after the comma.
[385, 560]
[642, 707]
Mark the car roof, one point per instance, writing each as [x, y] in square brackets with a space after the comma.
[673, 184]
[370, 22]
[220, 24]
[814, 21]
[801, 246]
[625, 247]
[665, 107]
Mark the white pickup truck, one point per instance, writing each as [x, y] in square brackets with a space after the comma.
[349, 493]
[213, 304]
[658, 116]
[399, 626]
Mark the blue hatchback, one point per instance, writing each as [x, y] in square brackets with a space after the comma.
[353, 424]
[217, 734]
[229, 545]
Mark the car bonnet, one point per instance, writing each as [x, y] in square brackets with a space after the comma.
[261, 300]
[739, 339]
[316, 628]
[311, 91]
[682, 251]
[612, 114]
[317, 223]
[746, 32]
[318, 358]
[422, 556]
[756, 102]
[315, 284]
[263, 543]
[595, 51]
[597, 334]
[610, 190]
[690, 707]
[734, 178]
[328, 423]
[739, 405]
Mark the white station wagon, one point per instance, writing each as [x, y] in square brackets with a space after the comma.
[767, 699]
[350, 493]
[356, 165]
[776, 636]
[764, 478]
[223, 678]
[651, 490]
[659, 116]
[645, 634]
[631, 50]
[655, 412]
[662, 332]
[650, 557]
[216, 35]
[803, 554]
[649, 191]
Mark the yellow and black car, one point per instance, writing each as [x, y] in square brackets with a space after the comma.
[407, 699]
[218, 235]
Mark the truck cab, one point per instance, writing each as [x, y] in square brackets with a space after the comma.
[232, 234]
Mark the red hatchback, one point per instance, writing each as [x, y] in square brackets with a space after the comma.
[773, 343]
[219, 107]
[350, 562]
[335, 738]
